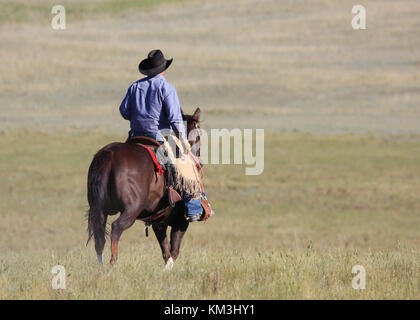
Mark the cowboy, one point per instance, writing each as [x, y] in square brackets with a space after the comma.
[152, 105]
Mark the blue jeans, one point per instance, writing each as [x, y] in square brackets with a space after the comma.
[155, 136]
[193, 206]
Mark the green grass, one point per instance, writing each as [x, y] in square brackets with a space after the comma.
[322, 205]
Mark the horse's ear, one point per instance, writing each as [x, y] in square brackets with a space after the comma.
[196, 115]
[183, 115]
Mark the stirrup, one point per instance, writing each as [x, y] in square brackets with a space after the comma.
[194, 218]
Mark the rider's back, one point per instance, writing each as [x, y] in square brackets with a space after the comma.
[151, 104]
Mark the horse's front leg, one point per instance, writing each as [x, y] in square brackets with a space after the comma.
[160, 232]
[179, 227]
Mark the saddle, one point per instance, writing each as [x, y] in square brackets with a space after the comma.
[151, 145]
[147, 141]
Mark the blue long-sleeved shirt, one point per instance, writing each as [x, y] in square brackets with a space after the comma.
[151, 104]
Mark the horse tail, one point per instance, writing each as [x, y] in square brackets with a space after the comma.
[97, 186]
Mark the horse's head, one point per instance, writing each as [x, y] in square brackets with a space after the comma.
[193, 130]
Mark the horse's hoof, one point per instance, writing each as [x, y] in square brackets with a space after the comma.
[101, 262]
[112, 262]
[169, 264]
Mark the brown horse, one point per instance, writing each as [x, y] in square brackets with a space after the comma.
[122, 178]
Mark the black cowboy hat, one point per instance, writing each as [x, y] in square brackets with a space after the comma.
[154, 64]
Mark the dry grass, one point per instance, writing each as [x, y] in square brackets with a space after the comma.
[322, 205]
[205, 273]
[324, 202]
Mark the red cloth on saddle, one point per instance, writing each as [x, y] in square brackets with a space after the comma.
[158, 167]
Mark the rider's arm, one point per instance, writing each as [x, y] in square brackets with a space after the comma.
[125, 107]
[173, 111]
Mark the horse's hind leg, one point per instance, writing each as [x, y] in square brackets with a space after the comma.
[99, 236]
[124, 221]
[160, 232]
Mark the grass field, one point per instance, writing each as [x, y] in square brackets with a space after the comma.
[340, 109]
[322, 205]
